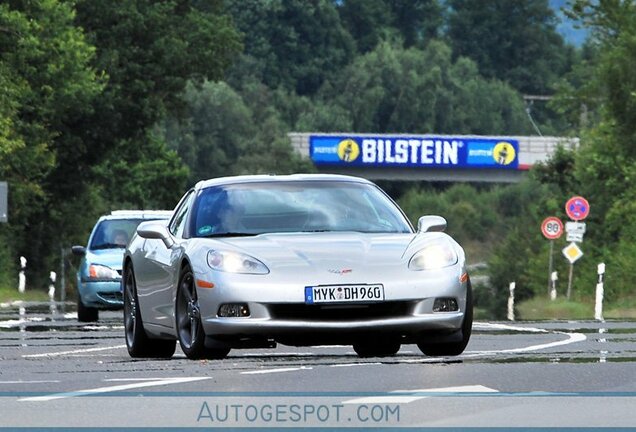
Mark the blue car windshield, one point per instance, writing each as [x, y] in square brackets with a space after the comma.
[113, 233]
[295, 206]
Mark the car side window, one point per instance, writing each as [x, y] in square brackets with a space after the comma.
[177, 225]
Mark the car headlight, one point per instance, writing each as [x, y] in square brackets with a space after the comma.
[235, 262]
[434, 256]
[96, 271]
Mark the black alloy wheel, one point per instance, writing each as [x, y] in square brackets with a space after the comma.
[137, 341]
[188, 319]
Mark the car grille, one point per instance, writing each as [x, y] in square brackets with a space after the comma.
[341, 312]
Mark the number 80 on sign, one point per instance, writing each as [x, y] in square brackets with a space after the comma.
[552, 228]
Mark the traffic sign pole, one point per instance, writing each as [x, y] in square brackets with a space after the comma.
[570, 281]
[577, 208]
[551, 228]
[550, 265]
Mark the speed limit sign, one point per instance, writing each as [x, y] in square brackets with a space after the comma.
[552, 228]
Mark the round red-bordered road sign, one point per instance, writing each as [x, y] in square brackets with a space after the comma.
[552, 228]
[577, 208]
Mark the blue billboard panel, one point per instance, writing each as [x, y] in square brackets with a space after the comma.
[414, 151]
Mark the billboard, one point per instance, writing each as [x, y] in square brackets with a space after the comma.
[4, 209]
[414, 151]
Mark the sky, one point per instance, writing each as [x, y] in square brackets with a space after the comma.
[566, 28]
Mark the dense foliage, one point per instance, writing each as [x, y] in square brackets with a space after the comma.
[109, 105]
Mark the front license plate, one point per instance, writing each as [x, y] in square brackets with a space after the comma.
[343, 293]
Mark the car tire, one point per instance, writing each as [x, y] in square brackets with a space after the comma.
[376, 348]
[137, 341]
[190, 330]
[85, 313]
[453, 348]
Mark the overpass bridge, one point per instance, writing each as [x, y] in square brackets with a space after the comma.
[469, 158]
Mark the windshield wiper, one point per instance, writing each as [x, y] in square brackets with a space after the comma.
[230, 234]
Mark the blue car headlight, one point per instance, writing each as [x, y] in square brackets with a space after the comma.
[235, 262]
[435, 255]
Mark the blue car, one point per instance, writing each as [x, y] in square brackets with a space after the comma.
[99, 275]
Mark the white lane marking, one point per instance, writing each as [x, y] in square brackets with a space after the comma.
[572, 338]
[90, 327]
[267, 371]
[130, 379]
[13, 303]
[160, 382]
[329, 346]
[355, 364]
[384, 400]
[15, 323]
[61, 353]
[408, 399]
[498, 326]
[30, 382]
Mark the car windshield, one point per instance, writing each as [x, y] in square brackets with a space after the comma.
[298, 206]
[113, 233]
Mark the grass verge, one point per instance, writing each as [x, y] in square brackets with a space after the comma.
[12, 294]
[562, 309]
[624, 308]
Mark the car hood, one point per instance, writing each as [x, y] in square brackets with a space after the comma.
[109, 257]
[338, 251]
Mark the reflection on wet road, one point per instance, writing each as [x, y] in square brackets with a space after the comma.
[50, 359]
[36, 330]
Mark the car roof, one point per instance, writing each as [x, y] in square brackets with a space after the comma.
[137, 214]
[278, 178]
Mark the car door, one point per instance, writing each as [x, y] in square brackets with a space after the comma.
[161, 271]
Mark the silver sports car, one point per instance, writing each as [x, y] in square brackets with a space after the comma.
[252, 261]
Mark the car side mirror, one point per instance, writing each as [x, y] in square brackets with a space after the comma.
[79, 251]
[154, 230]
[431, 223]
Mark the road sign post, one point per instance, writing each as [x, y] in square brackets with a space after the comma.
[551, 228]
[569, 292]
[572, 252]
[550, 264]
[577, 208]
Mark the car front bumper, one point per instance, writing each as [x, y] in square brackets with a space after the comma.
[101, 294]
[279, 312]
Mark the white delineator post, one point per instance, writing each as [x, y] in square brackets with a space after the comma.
[553, 279]
[511, 302]
[21, 276]
[52, 304]
[598, 307]
[52, 277]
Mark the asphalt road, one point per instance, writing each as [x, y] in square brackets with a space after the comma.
[56, 372]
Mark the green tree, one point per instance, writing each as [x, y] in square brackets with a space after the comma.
[292, 44]
[47, 82]
[392, 89]
[79, 142]
[372, 21]
[514, 41]
[213, 131]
